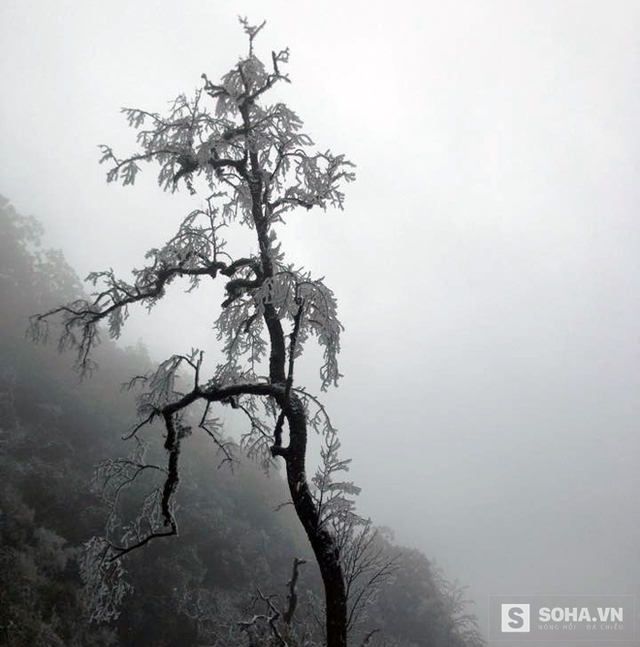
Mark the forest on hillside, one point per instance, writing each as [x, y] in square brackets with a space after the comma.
[226, 580]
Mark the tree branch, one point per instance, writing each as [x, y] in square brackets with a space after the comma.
[292, 596]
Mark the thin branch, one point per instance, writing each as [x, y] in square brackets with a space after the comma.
[121, 552]
[222, 446]
[292, 596]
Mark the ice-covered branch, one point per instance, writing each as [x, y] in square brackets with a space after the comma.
[257, 165]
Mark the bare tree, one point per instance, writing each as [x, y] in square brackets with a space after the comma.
[256, 165]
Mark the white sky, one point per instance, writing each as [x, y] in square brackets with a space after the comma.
[486, 265]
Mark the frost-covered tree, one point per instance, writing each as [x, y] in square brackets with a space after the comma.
[256, 165]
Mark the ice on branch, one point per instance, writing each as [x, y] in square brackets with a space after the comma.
[255, 164]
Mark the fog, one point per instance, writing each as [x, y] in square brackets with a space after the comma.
[486, 263]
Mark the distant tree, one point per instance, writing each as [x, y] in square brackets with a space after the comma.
[256, 165]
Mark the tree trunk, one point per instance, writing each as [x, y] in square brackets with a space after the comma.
[322, 543]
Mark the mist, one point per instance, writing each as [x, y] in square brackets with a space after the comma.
[486, 263]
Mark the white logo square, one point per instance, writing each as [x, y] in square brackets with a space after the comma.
[516, 618]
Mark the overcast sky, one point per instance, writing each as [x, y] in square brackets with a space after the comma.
[486, 264]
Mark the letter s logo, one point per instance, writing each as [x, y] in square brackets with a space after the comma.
[517, 621]
[515, 618]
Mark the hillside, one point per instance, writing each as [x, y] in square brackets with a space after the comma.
[212, 584]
